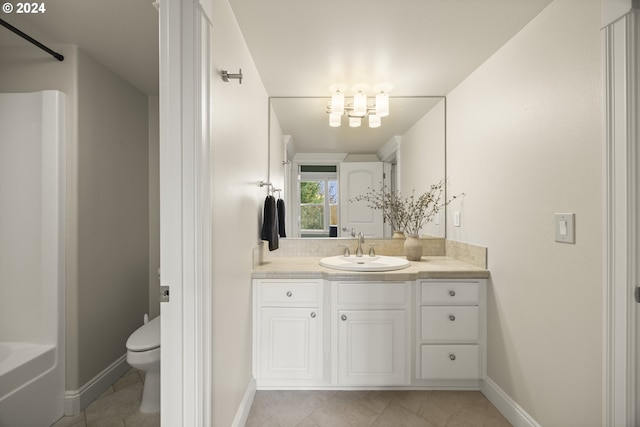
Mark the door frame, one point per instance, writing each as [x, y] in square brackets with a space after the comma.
[185, 213]
[621, 41]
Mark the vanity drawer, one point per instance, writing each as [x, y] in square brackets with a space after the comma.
[368, 294]
[449, 362]
[449, 323]
[453, 293]
[292, 292]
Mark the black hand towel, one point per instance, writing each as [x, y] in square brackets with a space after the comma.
[280, 209]
[270, 223]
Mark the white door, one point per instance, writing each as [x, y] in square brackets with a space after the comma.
[372, 347]
[358, 179]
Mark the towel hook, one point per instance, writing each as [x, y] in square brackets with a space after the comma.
[226, 76]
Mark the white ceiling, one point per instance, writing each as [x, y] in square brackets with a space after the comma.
[305, 48]
[409, 47]
[306, 120]
[121, 34]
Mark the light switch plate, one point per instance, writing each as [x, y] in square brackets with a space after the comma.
[456, 218]
[565, 227]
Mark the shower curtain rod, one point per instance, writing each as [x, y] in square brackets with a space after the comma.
[32, 40]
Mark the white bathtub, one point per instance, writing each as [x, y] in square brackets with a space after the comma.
[28, 375]
[32, 331]
[21, 363]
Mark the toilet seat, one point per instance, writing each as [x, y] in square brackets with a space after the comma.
[146, 337]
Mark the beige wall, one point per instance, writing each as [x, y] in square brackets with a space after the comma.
[525, 142]
[113, 215]
[422, 159]
[107, 200]
[154, 206]
[276, 154]
[239, 152]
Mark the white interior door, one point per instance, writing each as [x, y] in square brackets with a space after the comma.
[357, 179]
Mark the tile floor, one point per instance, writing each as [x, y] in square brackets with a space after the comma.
[116, 407]
[373, 409]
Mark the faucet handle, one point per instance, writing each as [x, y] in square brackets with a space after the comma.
[347, 252]
[372, 251]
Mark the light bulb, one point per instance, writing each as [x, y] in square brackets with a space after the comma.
[374, 121]
[335, 119]
[354, 122]
[382, 104]
[337, 103]
[360, 104]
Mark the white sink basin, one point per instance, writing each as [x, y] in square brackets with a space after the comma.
[365, 263]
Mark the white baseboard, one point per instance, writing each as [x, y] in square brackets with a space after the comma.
[76, 400]
[245, 406]
[506, 405]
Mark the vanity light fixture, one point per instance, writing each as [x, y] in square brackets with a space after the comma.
[357, 109]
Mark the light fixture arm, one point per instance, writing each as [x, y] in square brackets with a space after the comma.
[348, 111]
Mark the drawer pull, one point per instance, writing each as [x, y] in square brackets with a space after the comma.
[343, 317]
[289, 294]
[452, 317]
[313, 314]
[452, 356]
[452, 293]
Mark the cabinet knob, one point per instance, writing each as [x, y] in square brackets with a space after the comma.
[452, 293]
[452, 356]
[343, 317]
[289, 294]
[313, 314]
[452, 317]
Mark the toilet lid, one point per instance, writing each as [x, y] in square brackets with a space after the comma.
[146, 337]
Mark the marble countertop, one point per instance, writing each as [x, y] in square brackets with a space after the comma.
[430, 267]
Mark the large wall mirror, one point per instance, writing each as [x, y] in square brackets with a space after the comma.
[308, 160]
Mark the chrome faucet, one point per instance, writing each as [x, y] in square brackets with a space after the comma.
[359, 251]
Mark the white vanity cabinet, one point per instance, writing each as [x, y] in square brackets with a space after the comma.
[450, 329]
[329, 334]
[288, 332]
[371, 333]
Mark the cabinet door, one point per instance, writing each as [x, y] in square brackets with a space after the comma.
[372, 347]
[291, 343]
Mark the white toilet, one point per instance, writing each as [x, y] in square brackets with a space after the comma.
[143, 352]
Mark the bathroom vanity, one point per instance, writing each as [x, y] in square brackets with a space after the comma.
[420, 327]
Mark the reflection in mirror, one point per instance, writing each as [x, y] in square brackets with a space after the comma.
[308, 159]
